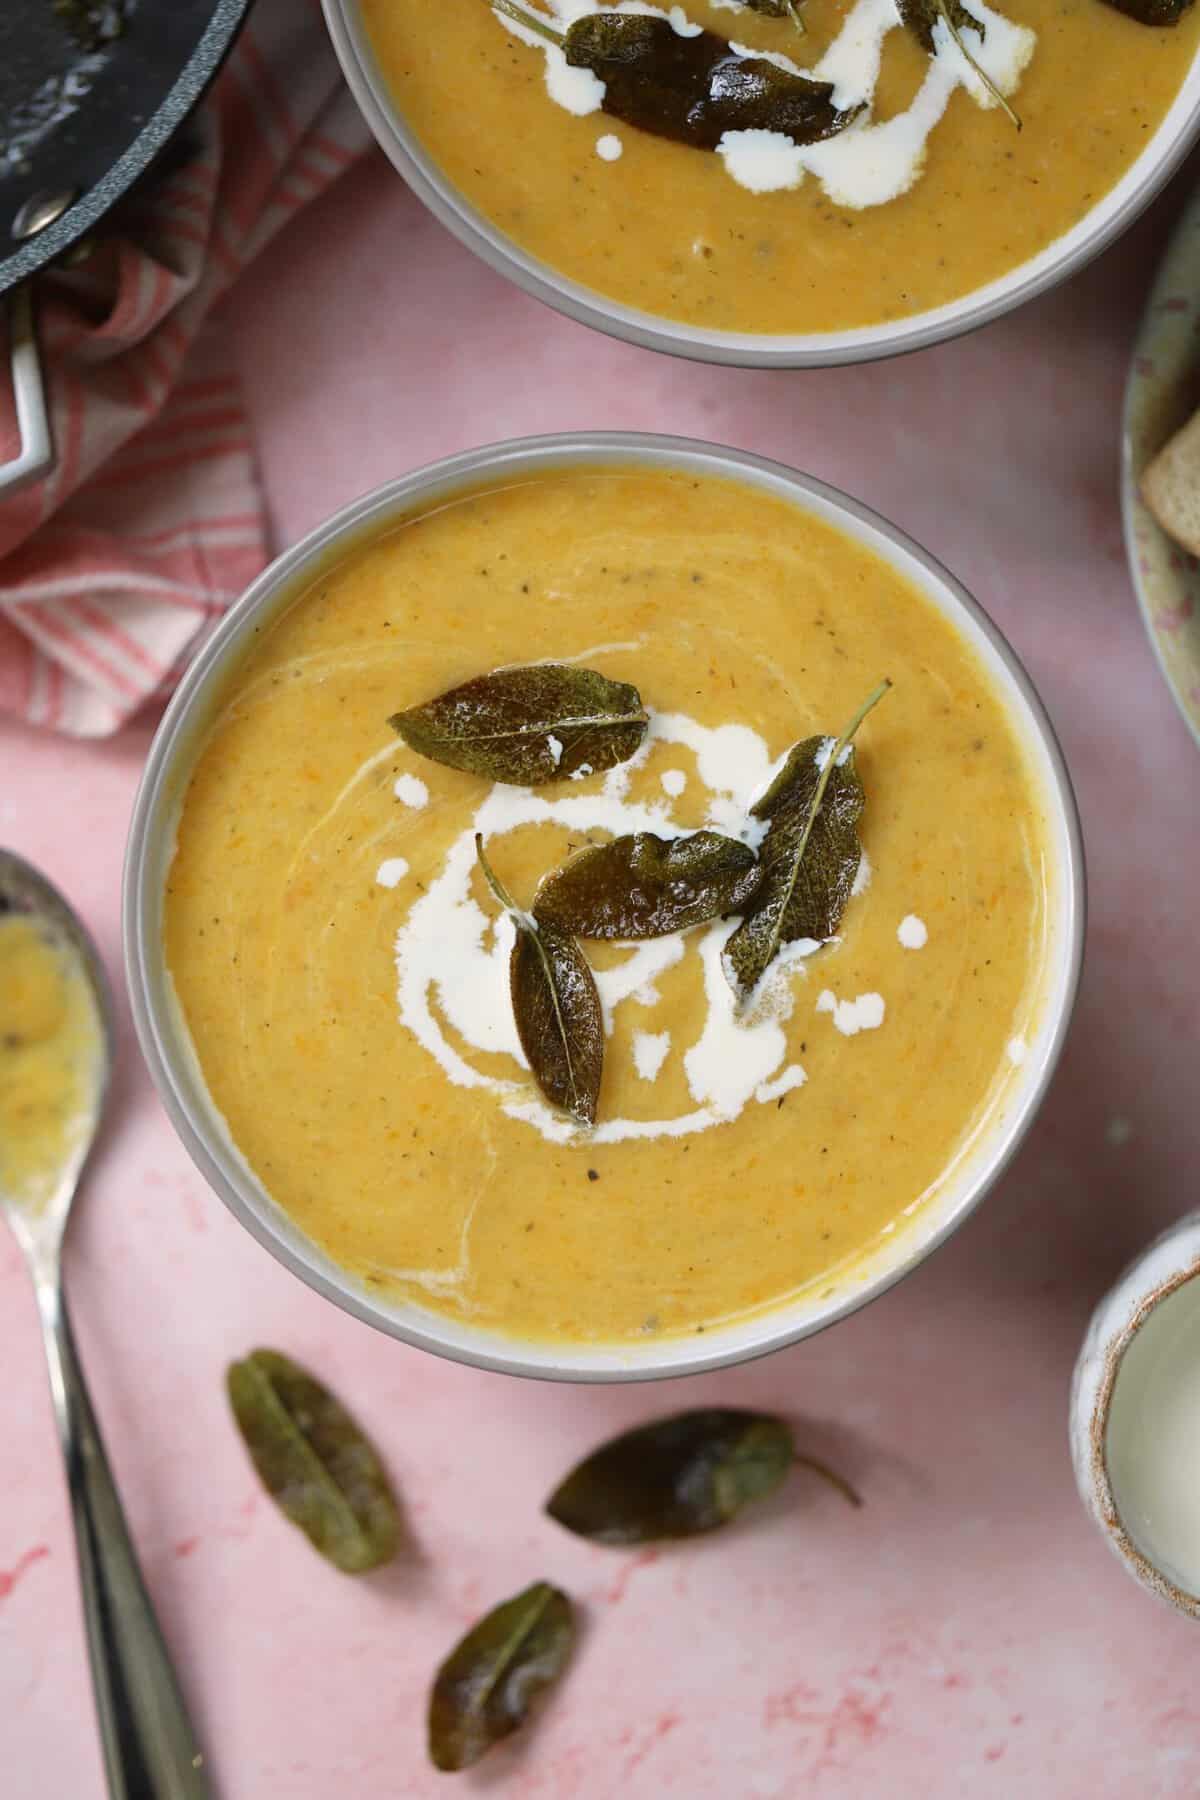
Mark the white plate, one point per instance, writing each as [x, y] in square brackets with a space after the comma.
[1163, 391]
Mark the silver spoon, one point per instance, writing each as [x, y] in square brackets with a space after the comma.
[150, 1749]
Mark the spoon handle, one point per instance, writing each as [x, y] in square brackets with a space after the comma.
[150, 1749]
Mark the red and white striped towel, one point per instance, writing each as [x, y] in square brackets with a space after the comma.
[115, 565]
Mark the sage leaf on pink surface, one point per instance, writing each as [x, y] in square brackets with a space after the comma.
[674, 1478]
[318, 1466]
[487, 1686]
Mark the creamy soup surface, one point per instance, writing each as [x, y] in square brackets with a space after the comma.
[342, 967]
[667, 228]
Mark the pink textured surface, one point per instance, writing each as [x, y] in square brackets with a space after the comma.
[966, 1633]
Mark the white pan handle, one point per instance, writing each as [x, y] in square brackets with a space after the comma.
[36, 455]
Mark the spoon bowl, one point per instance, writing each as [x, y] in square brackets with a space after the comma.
[25, 893]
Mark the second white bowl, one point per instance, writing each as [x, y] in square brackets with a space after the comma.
[1094, 232]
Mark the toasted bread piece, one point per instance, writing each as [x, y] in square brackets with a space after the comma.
[1171, 486]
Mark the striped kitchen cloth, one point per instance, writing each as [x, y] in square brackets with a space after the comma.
[116, 564]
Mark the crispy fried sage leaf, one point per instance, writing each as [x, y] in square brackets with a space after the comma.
[644, 886]
[780, 9]
[528, 725]
[691, 89]
[809, 857]
[695, 89]
[556, 1007]
[485, 1688]
[314, 1461]
[674, 1478]
[921, 16]
[1153, 12]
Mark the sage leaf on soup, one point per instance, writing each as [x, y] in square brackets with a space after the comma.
[314, 1461]
[922, 16]
[674, 1478]
[809, 857]
[1153, 12]
[780, 9]
[695, 89]
[486, 1687]
[690, 89]
[556, 1008]
[644, 886]
[528, 725]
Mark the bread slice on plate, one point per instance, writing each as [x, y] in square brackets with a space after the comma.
[1171, 486]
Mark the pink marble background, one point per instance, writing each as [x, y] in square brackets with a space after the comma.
[966, 1633]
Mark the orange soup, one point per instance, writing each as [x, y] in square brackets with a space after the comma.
[343, 967]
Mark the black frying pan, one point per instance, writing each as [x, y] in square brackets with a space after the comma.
[82, 116]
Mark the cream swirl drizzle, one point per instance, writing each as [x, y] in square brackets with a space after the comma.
[452, 957]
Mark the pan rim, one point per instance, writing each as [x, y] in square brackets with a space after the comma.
[224, 21]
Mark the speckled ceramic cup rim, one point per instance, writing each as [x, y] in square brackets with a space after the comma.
[1099, 1494]
[172, 1062]
[1100, 227]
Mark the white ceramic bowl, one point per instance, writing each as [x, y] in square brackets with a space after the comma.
[1161, 1270]
[176, 1072]
[1112, 215]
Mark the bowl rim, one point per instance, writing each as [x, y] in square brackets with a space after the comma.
[1136, 1296]
[1099, 227]
[168, 1054]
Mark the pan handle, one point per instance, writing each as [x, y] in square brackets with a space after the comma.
[36, 455]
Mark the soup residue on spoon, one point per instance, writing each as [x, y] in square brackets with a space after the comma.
[49, 1042]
